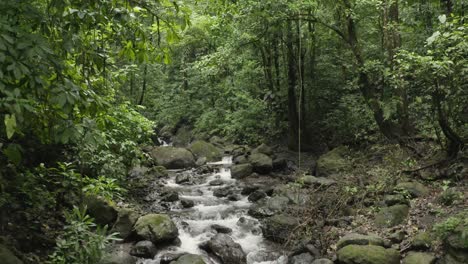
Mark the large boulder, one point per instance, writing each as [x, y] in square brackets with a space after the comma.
[100, 209]
[419, 258]
[415, 189]
[241, 171]
[203, 149]
[295, 194]
[173, 158]
[189, 259]
[261, 163]
[119, 254]
[334, 161]
[264, 149]
[7, 257]
[224, 247]
[125, 221]
[392, 215]
[268, 206]
[156, 228]
[279, 227]
[358, 239]
[369, 254]
[456, 245]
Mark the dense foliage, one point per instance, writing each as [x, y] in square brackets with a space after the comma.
[85, 84]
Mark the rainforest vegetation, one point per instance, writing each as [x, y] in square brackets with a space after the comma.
[87, 85]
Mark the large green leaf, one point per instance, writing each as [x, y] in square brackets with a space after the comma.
[10, 125]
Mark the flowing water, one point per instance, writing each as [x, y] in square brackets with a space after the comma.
[195, 224]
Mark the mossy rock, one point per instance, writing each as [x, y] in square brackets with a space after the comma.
[189, 259]
[279, 227]
[156, 228]
[415, 189]
[422, 240]
[101, 210]
[241, 170]
[392, 215]
[333, 162]
[419, 258]
[173, 158]
[261, 163]
[7, 257]
[264, 149]
[370, 254]
[202, 149]
[159, 172]
[125, 221]
[358, 239]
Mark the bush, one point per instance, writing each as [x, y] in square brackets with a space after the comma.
[82, 241]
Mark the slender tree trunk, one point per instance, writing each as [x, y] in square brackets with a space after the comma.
[143, 90]
[448, 6]
[276, 61]
[292, 82]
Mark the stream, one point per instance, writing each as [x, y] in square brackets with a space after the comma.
[195, 224]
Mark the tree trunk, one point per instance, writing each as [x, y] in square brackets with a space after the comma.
[143, 90]
[292, 82]
[455, 143]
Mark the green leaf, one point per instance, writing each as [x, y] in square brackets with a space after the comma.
[10, 125]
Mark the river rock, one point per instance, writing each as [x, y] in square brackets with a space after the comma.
[118, 257]
[187, 203]
[241, 171]
[268, 206]
[204, 149]
[256, 195]
[156, 228]
[279, 227]
[223, 192]
[221, 229]
[125, 221]
[201, 161]
[261, 163]
[240, 160]
[392, 215]
[279, 164]
[294, 193]
[144, 249]
[247, 190]
[183, 178]
[217, 141]
[173, 158]
[415, 189]
[224, 247]
[334, 161]
[189, 259]
[317, 181]
[217, 182]
[358, 239]
[170, 196]
[304, 258]
[419, 258]
[322, 261]
[7, 257]
[170, 258]
[263, 149]
[100, 209]
[369, 254]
